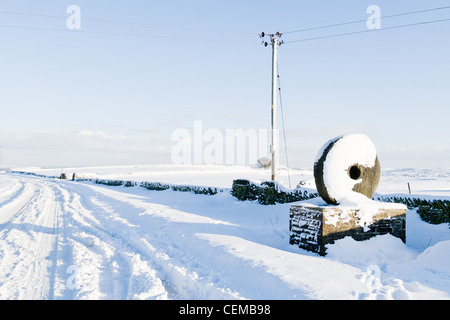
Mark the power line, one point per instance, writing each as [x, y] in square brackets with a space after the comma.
[365, 31]
[124, 34]
[31, 14]
[211, 30]
[364, 20]
[127, 23]
[284, 128]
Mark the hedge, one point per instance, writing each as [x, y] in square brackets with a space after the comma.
[158, 186]
[432, 211]
[268, 192]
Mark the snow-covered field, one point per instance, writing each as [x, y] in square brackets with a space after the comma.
[61, 239]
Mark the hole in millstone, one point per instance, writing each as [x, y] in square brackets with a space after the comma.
[354, 172]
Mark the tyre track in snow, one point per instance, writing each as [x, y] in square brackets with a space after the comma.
[45, 232]
[43, 225]
[65, 240]
[107, 266]
[10, 190]
[15, 200]
[27, 238]
[59, 243]
[142, 248]
[167, 239]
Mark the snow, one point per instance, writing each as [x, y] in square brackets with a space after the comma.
[348, 150]
[436, 258]
[366, 208]
[61, 239]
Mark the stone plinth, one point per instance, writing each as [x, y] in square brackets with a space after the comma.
[311, 227]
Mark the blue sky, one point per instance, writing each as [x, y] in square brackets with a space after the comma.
[112, 93]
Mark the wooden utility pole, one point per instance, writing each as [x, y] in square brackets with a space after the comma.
[275, 42]
[274, 144]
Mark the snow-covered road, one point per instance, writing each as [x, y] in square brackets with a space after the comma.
[72, 241]
[69, 240]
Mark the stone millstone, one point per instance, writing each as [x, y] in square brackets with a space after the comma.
[370, 176]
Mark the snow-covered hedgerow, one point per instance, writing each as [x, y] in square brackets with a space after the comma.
[182, 188]
[159, 186]
[268, 192]
[434, 211]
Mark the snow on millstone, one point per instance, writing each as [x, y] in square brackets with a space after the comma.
[345, 168]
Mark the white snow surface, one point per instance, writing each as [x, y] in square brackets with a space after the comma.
[348, 150]
[366, 209]
[61, 239]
